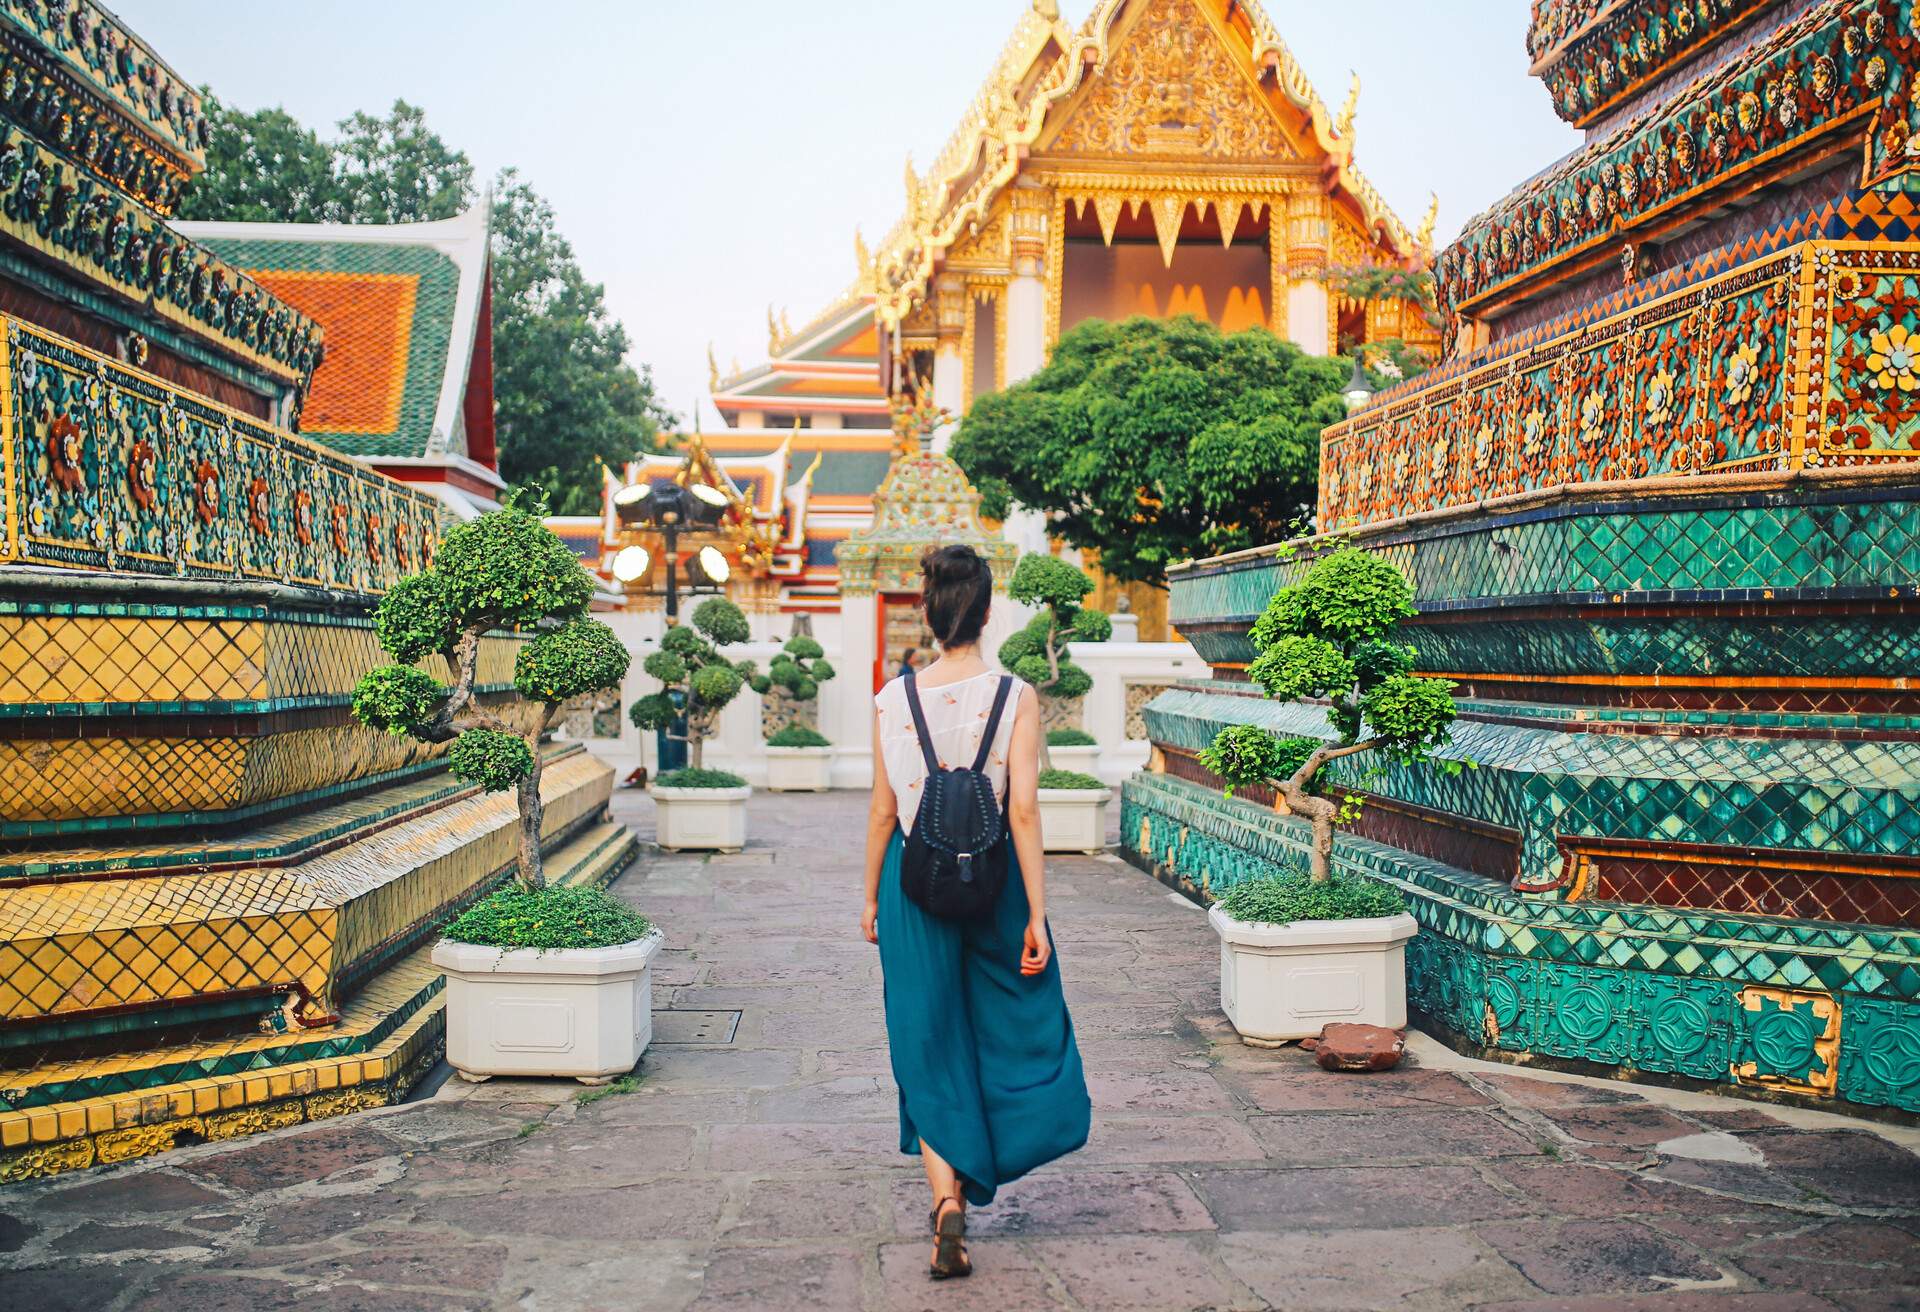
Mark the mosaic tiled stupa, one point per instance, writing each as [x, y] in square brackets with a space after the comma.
[1658, 505]
[215, 887]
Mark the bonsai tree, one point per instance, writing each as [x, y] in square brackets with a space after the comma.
[699, 681]
[1331, 635]
[503, 570]
[1037, 654]
[797, 671]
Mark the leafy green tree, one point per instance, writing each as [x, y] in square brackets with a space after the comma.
[565, 398]
[503, 570]
[1332, 635]
[698, 681]
[797, 670]
[393, 168]
[1154, 440]
[262, 167]
[1037, 654]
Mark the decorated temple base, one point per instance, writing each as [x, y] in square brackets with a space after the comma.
[83, 1111]
[1779, 1009]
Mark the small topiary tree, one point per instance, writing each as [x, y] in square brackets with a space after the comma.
[699, 681]
[798, 671]
[503, 570]
[1331, 635]
[1037, 654]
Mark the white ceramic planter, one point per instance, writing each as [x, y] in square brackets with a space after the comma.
[1084, 759]
[1073, 819]
[580, 1012]
[701, 818]
[799, 769]
[1285, 982]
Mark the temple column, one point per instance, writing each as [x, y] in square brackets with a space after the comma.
[1300, 242]
[1027, 290]
[1027, 335]
[949, 362]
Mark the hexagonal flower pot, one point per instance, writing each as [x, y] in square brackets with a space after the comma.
[1284, 982]
[799, 769]
[1073, 819]
[586, 1013]
[701, 819]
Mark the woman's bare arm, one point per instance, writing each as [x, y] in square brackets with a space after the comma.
[883, 814]
[1023, 819]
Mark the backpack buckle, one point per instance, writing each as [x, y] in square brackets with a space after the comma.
[965, 861]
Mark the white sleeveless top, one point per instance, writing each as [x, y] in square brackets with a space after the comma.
[956, 717]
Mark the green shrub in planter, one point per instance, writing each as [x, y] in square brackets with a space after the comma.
[1071, 738]
[504, 570]
[699, 681]
[1037, 654]
[695, 777]
[549, 918]
[798, 735]
[1295, 895]
[1334, 635]
[1070, 779]
[798, 670]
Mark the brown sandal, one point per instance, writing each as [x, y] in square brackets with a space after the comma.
[950, 1260]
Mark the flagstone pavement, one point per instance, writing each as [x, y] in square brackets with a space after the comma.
[753, 1164]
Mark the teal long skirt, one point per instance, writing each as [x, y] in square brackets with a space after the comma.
[988, 1071]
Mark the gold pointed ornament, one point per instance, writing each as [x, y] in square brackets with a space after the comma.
[1167, 213]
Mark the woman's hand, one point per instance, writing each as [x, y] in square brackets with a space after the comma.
[870, 922]
[1039, 948]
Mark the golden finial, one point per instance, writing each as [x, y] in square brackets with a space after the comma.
[863, 262]
[1424, 237]
[773, 332]
[713, 370]
[1047, 9]
[735, 373]
[1344, 124]
[913, 194]
[786, 329]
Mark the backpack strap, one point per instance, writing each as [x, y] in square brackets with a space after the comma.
[993, 722]
[920, 726]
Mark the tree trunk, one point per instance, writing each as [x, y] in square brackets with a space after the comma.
[1319, 811]
[533, 872]
[695, 741]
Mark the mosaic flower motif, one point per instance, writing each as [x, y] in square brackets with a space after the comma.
[1593, 414]
[339, 518]
[29, 370]
[1683, 152]
[1743, 370]
[257, 506]
[1531, 427]
[1747, 111]
[1875, 73]
[1437, 462]
[373, 538]
[1483, 448]
[303, 517]
[66, 453]
[141, 468]
[1892, 360]
[1876, 28]
[1659, 406]
[1894, 139]
[206, 490]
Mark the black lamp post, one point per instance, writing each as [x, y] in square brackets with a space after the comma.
[669, 509]
[1358, 390]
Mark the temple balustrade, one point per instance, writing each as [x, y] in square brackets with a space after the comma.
[1797, 360]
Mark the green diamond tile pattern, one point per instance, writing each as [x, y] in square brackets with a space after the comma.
[1811, 794]
[1650, 987]
[1605, 548]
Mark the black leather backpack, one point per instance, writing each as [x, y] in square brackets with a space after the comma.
[955, 862]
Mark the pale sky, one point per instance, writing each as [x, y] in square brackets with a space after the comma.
[707, 159]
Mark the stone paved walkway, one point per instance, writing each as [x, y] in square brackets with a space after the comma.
[760, 1172]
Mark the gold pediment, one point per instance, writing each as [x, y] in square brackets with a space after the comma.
[1172, 88]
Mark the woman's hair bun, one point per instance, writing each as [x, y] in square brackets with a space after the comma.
[957, 586]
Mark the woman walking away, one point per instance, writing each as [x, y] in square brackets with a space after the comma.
[982, 1046]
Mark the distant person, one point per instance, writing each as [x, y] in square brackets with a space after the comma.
[981, 1043]
[906, 662]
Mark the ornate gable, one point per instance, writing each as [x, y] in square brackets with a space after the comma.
[1172, 89]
